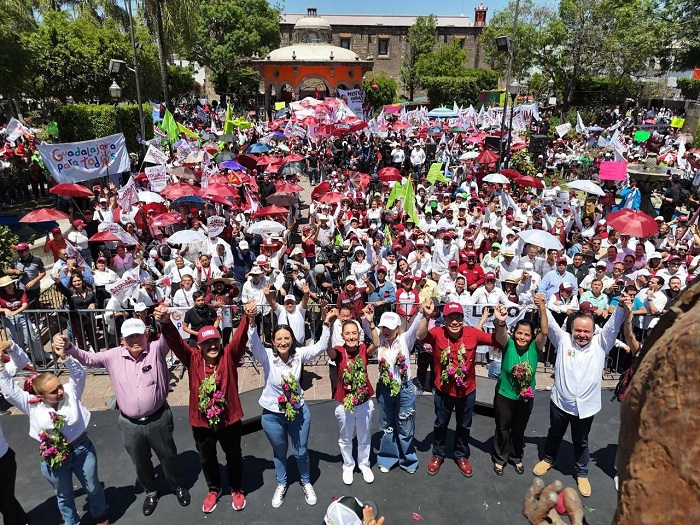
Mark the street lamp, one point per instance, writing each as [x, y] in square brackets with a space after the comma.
[513, 90]
[115, 91]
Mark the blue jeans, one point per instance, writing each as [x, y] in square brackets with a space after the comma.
[22, 332]
[558, 423]
[279, 431]
[463, 407]
[397, 421]
[82, 461]
[494, 369]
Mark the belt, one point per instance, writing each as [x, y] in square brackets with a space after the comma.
[77, 440]
[146, 419]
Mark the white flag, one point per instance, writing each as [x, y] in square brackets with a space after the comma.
[127, 286]
[213, 127]
[563, 129]
[15, 129]
[127, 195]
[155, 156]
[580, 127]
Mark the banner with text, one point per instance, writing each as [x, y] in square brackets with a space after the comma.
[157, 177]
[79, 161]
[354, 98]
[154, 155]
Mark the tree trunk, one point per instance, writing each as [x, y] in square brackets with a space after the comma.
[162, 55]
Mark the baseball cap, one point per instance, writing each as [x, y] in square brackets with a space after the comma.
[659, 218]
[509, 252]
[452, 308]
[133, 327]
[561, 260]
[390, 320]
[140, 307]
[261, 260]
[349, 279]
[528, 266]
[407, 277]
[496, 245]
[471, 253]
[566, 286]
[290, 297]
[243, 245]
[420, 242]
[21, 246]
[255, 270]
[589, 253]
[453, 264]
[103, 199]
[644, 272]
[674, 258]
[78, 222]
[381, 269]
[587, 306]
[55, 230]
[206, 333]
[490, 276]
[655, 255]
[601, 264]
[419, 276]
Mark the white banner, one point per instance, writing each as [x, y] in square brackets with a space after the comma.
[15, 129]
[354, 98]
[79, 161]
[127, 195]
[127, 286]
[155, 156]
[119, 232]
[157, 177]
[473, 313]
[563, 129]
[215, 225]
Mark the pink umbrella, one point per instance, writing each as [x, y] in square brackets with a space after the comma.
[167, 219]
[332, 197]
[44, 215]
[71, 190]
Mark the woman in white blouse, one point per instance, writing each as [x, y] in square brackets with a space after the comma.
[183, 297]
[78, 237]
[285, 415]
[50, 401]
[360, 267]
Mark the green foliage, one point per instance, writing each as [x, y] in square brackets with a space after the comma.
[682, 21]
[696, 141]
[446, 61]
[385, 93]
[443, 91]
[228, 33]
[421, 39]
[520, 160]
[180, 82]
[603, 91]
[7, 241]
[78, 122]
[485, 79]
[690, 88]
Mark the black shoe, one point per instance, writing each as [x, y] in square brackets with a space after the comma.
[498, 469]
[183, 496]
[519, 468]
[149, 505]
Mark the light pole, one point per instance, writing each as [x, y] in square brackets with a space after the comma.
[115, 91]
[507, 44]
[513, 90]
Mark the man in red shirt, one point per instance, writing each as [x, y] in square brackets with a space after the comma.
[472, 271]
[454, 347]
[56, 244]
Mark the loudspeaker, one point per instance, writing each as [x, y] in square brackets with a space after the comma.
[492, 142]
[504, 44]
[538, 145]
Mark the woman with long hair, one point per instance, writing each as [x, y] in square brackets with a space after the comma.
[285, 415]
[515, 389]
[81, 298]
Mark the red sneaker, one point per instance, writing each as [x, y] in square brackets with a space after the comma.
[238, 498]
[210, 501]
[465, 467]
[434, 465]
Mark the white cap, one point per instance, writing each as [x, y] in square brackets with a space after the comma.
[290, 297]
[261, 260]
[255, 270]
[390, 320]
[140, 307]
[296, 251]
[528, 266]
[133, 327]
[243, 245]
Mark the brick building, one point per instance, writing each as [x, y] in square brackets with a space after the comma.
[384, 38]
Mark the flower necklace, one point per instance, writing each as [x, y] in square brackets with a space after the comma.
[289, 400]
[387, 377]
[53, 448]
[449, 371]
[211, 398]
[522, 373]
[355, 384]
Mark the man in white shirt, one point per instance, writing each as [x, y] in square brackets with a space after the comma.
[291, 314]
[576, 395]
[417, 158]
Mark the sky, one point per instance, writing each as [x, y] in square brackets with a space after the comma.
[404, 7]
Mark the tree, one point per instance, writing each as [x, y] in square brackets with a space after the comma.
[380, 88]
[421, 39]
[227, 34]
[443, 91]
[446, 61]
[682, 19]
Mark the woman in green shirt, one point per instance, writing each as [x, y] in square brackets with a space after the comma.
[515, 390]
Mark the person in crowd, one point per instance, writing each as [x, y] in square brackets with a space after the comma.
[29, 271]
[79, 239]
[290, 314]
[54, 245]
[199, 316]
[13, 302]
[184, 297]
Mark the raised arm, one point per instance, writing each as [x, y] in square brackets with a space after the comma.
[612, 327]
[170, 337]
[501, 333]
[239, 340]
[18, 357]
[369, 320]
[270, 296]
[541, 338]
[409, 336]
[12, 392]
[428, 309]
[308, 353]
[256, 345]
[94, 360]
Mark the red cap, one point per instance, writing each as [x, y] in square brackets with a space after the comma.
[420, 242]
[420, 275]
[566, 286]
[561, 259]
[490, 276]
[55, 230]
[207, 332]
[587, 306]
[396, 247]
[471, 253]
[78, 222]
[398, 227]
[381, 269]
[407, 277]
[452, 308]
[21, 246]
[682, 218]
[453, 264]
[674, 258]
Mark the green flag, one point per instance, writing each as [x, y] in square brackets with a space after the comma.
[169, 126]
[396, 193]
[228, 123]
[52, 129]
[642, 136]
[435, 173]
[409, 201]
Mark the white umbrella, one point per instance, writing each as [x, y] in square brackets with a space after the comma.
[469, 155]
[186, 237]
[541, 238]
[266, 227]
[149, 197]
[497, 178]
[586, 186]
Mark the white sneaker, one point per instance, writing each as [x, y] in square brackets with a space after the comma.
[348, 476]
[278, 496]
[309, 494]
[383, 469]
[367, 474]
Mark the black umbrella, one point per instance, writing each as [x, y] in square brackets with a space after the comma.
[291, 168]
[227, 138]
[224, 156]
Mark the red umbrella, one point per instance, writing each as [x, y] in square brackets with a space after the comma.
[156, 207]
[267, 211]
[332, 197]
[218, 179]
[487, 157]
[532, 182]
[104, 237]
[218, 199]
[167, 219]
[71, 190]
[288, 187]
[294, 157]
[632, 222]
[179, 189]
[44, 215]
[401, 125]
[320, 190]
[358, 125]
[268, 159]
[221, 190]
[389, 174]
[249, 161]
[511, 173]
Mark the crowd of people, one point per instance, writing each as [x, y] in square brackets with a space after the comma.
[423, 283]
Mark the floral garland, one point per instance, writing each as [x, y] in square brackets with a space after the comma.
[522, 373]
[387, 377]
[449, 371]
[355, 384]
[211, 399]
[53, 448]
[290, 399]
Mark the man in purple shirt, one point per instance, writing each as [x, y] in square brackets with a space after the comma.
[140, 379]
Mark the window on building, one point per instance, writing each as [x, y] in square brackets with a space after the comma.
[383, 47]
[460, 42]
[345, 43]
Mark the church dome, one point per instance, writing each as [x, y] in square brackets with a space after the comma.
[305, 52]
[312, 22]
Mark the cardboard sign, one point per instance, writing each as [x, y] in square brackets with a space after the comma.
[157, 177]
[613, 170]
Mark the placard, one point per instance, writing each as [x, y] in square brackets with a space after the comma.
[613, 170]
[215, 225]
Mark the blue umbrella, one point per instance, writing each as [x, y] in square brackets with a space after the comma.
[279, 135]
[232, 165]
[259, 147]
[434, 131]
[442, 113]
[187, 198]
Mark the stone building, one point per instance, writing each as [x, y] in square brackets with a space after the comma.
[384, 38]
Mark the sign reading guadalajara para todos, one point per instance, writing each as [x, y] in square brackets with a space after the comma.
[79, 161]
